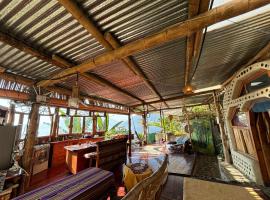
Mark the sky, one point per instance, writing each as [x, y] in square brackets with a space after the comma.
[238, 18]
[4, 102]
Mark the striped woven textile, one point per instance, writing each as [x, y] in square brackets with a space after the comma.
[88, 184]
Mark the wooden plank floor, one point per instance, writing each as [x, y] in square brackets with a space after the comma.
[173, 189]
[181, 163]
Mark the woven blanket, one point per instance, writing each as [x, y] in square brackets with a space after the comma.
[87, 184]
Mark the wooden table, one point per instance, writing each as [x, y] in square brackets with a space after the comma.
[89, 184]
[75, 159]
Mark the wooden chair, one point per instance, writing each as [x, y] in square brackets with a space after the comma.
[151, 187]
[109, 154]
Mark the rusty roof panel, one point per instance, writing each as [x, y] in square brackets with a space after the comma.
[91, 88]
[228, 48]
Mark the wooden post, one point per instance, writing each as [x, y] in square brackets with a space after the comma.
[30, 140]
[145, 126]
[129, 133]
[222, 130]
[189, 128]
[54, 133]
[11, 114]
[94, 124]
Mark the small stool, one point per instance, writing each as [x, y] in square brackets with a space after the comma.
[90, 156]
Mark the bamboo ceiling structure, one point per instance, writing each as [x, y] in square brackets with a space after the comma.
[126, 54]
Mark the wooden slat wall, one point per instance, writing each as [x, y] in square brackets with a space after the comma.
[244, 141]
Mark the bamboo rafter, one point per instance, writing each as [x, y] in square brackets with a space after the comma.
[188, 27]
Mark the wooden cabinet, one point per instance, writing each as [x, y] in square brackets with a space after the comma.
[58, 152]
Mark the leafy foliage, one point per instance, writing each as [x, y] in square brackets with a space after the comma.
[168, 124]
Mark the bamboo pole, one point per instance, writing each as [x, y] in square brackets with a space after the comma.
[11, 114]
[129, 133]
[54, 60]
[222, 131]
[177, 98]
[145, 126]
[30, 140]
[55, 124]
[132, 66]
[30, 83]
[226, 11]
[110, 44]
[194, 40]
[193, 10]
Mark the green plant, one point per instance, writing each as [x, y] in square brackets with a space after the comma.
[168, 124]
[112, 131]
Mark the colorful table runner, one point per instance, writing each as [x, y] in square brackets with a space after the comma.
[87, 184]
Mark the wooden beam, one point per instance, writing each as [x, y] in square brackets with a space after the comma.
[14, 95]
[54, 60]
[21, 96]
[109, 42]
[132, 66]
[112, 86]
[204, 6]
[31, 134]
[176, 98]
[261, 55]
[100, 81]
[60, 90]
[226, 11]
[72, 7]
[7, 39]
[129, 133]
[195, 7]
[18, 79]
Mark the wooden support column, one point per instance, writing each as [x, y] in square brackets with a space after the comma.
[94, 124]
[54, 133]
[11, 114]
[129, 133]
[30, 140]
[145, 126]
[222, 131]
[188, 124]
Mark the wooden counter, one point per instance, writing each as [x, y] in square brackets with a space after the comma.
[58, 152]
[75, 156]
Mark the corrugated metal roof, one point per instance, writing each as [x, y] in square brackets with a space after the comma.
[48, 27]
[21, 63]
[46, 24]
[94, 89]
[120, 75]
[189, 100]
[228, 48]
[164, 66]
[130, 20]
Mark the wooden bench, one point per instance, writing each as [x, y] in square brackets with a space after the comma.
[90, 184]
